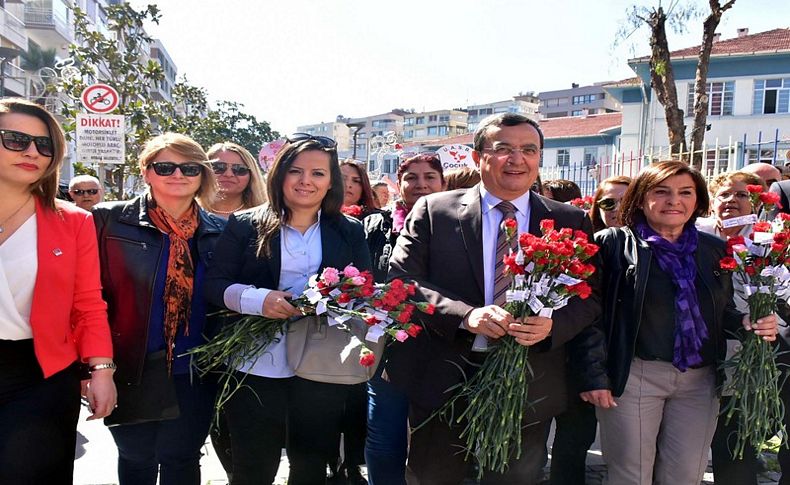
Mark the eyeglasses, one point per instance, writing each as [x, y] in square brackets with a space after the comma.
[324, 141]
[237, 168]
[189, 169]
[737, 195]
[608, 204]
[16, 141]
[81, 192]
[507, 150]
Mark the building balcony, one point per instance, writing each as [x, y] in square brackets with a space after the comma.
[13, 29]
[14, 81]
[48, 28]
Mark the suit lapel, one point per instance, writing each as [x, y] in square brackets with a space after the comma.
[537, 212]
[470, 218]
[275, 260]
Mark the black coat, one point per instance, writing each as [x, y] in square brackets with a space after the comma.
[342, 243]
[441, 248]
[624, 261]
[130, 247]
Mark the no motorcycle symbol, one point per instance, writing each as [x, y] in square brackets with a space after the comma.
[99, 98]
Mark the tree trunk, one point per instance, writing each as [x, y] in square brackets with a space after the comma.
[701, 97]
[663, 80]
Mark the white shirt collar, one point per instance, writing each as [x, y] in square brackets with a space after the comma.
[489, 201]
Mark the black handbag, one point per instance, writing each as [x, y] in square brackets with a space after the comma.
[154, 399]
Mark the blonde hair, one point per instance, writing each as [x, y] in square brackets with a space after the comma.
[46, 188]
[255, 192]
[188, 148]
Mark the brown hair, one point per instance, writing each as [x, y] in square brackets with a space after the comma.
[430, 158]
[255, 192]
[595, 214]
[273, 215]
[651, 176]
[462, 178]
[366, 200]
[562, 190]
[191, 150]
[46, 187]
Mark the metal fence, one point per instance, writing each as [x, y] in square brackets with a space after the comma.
[732, 154]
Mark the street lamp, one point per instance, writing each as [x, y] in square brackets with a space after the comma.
[358, 125]
[7, 54]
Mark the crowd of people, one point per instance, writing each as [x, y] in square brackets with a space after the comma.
[104, 299]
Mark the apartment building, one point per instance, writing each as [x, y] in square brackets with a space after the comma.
[163, 91]
[577, 101]
[13, 41]
[434, 124]
[525, 104]
[337, 130]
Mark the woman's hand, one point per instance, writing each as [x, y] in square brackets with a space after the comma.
[101, 393]
[276, 305]
[601, 398]
[767, 326]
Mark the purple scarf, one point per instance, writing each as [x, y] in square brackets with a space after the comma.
[677, 260]
[399, 214]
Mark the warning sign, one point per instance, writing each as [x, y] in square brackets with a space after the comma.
[100, 98]
[100, 138]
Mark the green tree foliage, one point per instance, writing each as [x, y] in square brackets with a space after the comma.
[192, 114]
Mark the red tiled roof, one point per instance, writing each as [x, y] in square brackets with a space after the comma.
[769, 41]
[574, 126]
[631, 81]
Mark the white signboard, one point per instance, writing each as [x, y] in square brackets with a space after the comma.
[456, 156]
[100, 138]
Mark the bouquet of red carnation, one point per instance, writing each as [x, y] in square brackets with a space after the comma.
[759, 265]
[545, 273]
[352, 210]
[585, 203]
[340, 295]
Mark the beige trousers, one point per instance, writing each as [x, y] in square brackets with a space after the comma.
[661, 429]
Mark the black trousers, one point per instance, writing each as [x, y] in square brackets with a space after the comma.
[38, 418]
[353, 427]
[435, 457]
[574, 435]
[267, 414]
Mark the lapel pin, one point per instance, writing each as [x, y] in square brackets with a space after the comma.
[57, 252]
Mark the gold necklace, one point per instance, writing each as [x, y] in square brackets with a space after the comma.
[230, 211]
[2, 224]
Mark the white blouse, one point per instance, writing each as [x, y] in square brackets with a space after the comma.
[18, 269]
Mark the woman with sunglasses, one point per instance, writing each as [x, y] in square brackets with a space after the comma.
[155, 250]
[265, 257]
[730, 199]
[388, 408]
[52, 316]
[606, 202]
[239, 182]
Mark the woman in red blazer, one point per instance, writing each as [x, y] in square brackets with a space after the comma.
[52, 316]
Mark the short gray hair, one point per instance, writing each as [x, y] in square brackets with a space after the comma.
[84, 178]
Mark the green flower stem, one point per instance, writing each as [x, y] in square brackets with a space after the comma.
[756, 403]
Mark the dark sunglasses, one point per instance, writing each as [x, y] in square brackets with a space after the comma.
[189, 169]
[16, 141]
[85, 191]
[608, 204]
[237, 168]
[324, 141]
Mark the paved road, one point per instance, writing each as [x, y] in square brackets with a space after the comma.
[97, 460]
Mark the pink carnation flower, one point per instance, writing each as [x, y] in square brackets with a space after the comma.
[330, 276]
[350, 271]
[401, 335]
[358, 280]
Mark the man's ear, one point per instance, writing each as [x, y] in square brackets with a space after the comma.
[476, 158]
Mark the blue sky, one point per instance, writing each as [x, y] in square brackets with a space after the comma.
[295, 62]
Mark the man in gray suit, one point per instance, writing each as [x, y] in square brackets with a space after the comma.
[448, 246]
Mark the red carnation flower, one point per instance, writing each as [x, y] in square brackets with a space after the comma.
[769, 198]
[546, 225]
[762, 226]
[344, 298]
[728, 263]
[754, 189]
[366, 358]
[413, 330]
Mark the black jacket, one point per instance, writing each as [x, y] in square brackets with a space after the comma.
[342, 243]
[625, 263]
[381, 239]
[130, 247]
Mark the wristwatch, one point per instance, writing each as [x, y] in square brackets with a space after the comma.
[108, 365]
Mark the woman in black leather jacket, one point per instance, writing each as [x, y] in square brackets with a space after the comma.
[667, 306]
[154, 252]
